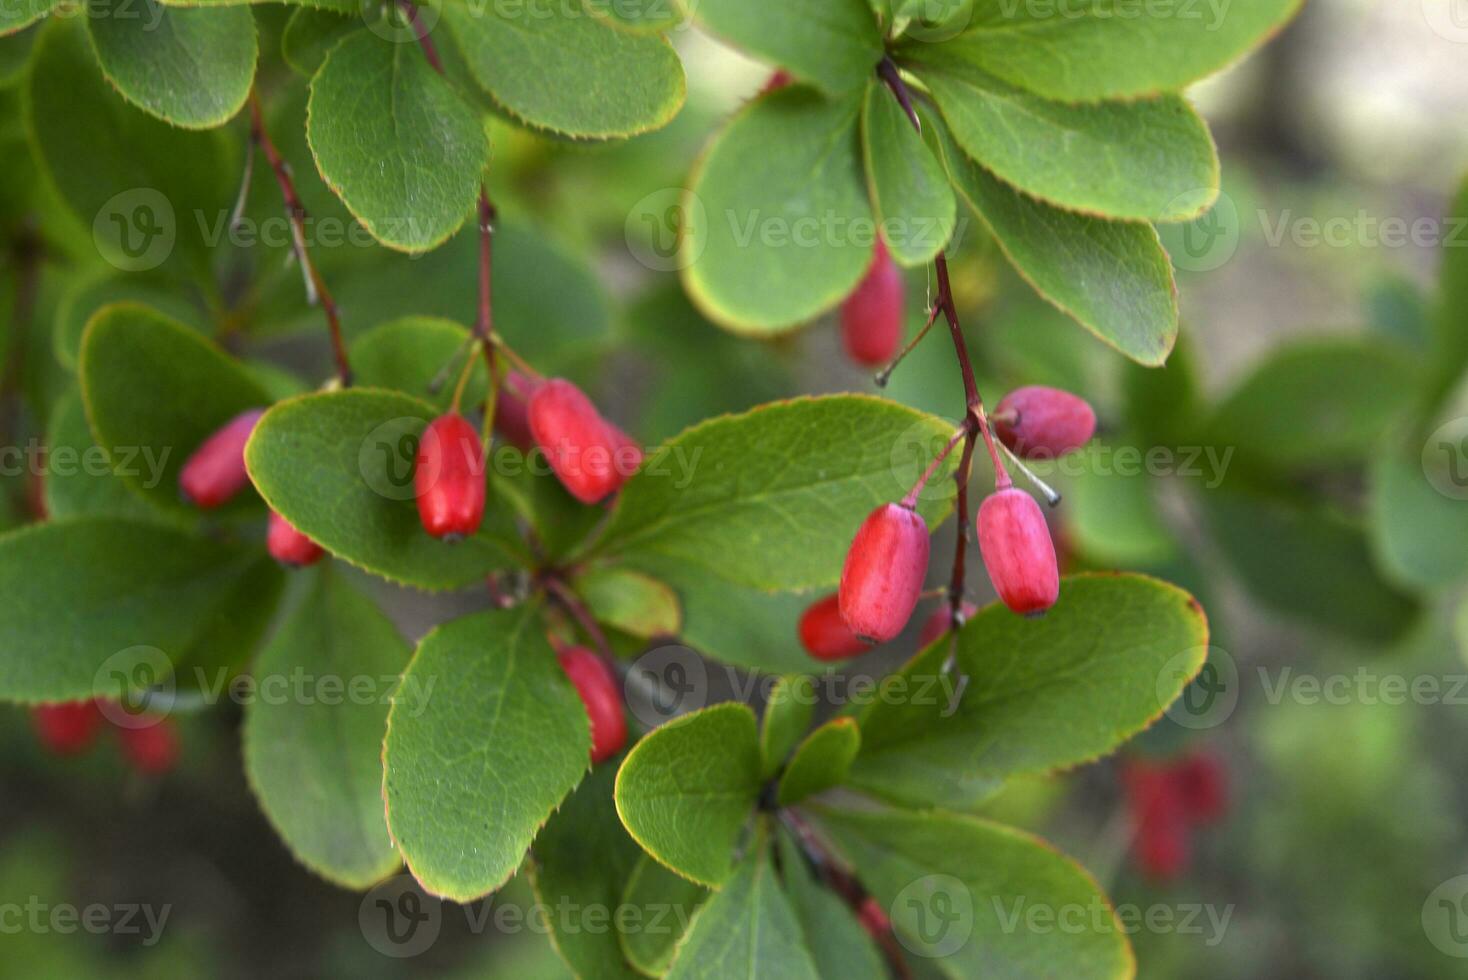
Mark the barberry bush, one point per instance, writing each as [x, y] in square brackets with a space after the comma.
[313, 284]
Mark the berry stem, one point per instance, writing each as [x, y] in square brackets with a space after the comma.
[959, 435]
[296, 212]
[572, 603]
[883, 376]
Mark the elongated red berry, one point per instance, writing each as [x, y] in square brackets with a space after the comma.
[151, 749]
[216, 470]
[593, 680]
[580, 445]
[1159, 821]
[512, 412]
[289, 546]
[825, 635]
[1018, 553]
[449, 478]
[69, 728]
[627, 454]
[1044, 423]
[1202, 785]
[884, 572]
[871, 317]
[938, 621]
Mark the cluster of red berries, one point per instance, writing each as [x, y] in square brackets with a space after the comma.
[1167, 801]
[887, 564]
[71, 728]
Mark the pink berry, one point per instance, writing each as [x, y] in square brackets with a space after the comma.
[1018, 553]
[581, 446]
[511, 411]
[1044, 423]
[598, 690]
[825, 635]
[937, 623]
[67, 729]
[216, 470]
[449, 478]
[884, 573]
[871, 317]
[152, 749]
[289, 546]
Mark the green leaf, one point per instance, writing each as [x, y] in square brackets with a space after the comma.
[561, 70]
[834, 44]
[81, 479]
[1041, 694]
[1450, 340]
[1106, 49]
[630, 601]
[310, 34]
[1306, 562]
[134, 182]
[190, 67]
[1150, 158]
[583, 861]
[1319, 402]
[410, 354]
[231, 633]
[314, 759]
[1112, 512]
[970, 894]
[394, 141]
[788, 711]
[15, 53]
[339, 466]
[664, 904]
[14, 16]
[822, 761]
[1417, 531]
[498, 741]
[640, 16]
[771, 240]
[193, 388]
[85, 592]
[85, 296]
[687, 789]
[913, 202]
[771, 499]
[835, 939]
[747, 929]
[558, 520]
[1111, 277]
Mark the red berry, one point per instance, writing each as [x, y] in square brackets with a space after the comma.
[871, 317]
[884, 572]
[216, 470]
[511, 411]
[66, 729]
[581, 446]
[1015, 543]
[937, 623]
[152, 749]
[1159, 820]
[873, 918]
[778, 79]
[1044, 423]
[289, 546]
[593, 680]
[825, 635]
[449, 478]
[1202, 785]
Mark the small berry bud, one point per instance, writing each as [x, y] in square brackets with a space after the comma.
[1203, 786]
[1018, 554]
[216, 470]
[289, 546]
[825, 635]
[1043, 423]
[884, 573]
[152, 749]
[583, 448]
[66, 729]
[778, 79]
[598, 689]
[511, 411]
[871, 317]
[937, 624]
[449, 478]
[874, 918]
